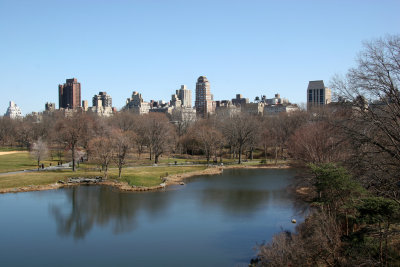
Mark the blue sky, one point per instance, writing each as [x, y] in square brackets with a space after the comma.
[248, 47]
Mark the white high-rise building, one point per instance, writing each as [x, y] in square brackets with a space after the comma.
[13, 111]
[185, 95]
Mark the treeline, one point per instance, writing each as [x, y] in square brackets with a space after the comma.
[352, 152]
[221, 136]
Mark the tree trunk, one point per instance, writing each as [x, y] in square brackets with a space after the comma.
[150, 153]
[73, 157]
[265, 153]
[386, 243]
[240, 154]
[380, 244]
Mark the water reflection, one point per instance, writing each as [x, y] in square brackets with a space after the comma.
[211, 221]
[237, 193]
[99, 205]
[235, 202]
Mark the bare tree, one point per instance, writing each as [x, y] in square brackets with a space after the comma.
[125, 121]
[39, 151]
[142, 131]
[370, 94]
[70, 131]
[90, 129]
[316, 243]
[159, 133]
[24, 133]
[240, 129]
[188, 141]
[103, 150]
[122, 142]
[7, 131]
[318, 142]
[208, 136]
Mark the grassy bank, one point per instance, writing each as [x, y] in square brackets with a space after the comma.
[151, 176]
[140, 176]
[19, 161]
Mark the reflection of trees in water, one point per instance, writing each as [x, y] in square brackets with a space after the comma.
[235, 201]
[99, 205]
[248, 201]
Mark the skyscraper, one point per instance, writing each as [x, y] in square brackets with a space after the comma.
[50, 107]
[69, 94]
[136, 104]
[13, 111]
[204, 103]
[102, 105]
[185, 95]
[102, 99]
[318, 94]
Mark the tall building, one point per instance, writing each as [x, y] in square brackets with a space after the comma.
[69, 94]
[175, 101]
[50, 107]
[318, 94]
[204, 101]
[239, 100]
[102, 99]
[136, 104]
[13, 111]
[185, 95]
[85, 105]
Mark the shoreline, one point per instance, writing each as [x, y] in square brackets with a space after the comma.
[175, 179]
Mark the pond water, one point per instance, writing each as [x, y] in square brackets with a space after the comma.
[210, 221]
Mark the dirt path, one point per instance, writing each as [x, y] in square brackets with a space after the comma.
[8, 152]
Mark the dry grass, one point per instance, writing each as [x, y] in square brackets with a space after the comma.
[151, 176]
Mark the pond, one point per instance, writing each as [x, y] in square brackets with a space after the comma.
[210, 221]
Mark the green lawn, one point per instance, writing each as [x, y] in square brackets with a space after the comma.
[31, 178]
[19, 161]
[137, 175]
[140, 176]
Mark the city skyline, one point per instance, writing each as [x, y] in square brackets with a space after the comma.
[253, 48]
[72, 93]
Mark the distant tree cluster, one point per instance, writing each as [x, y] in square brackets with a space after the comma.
[85, 136]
